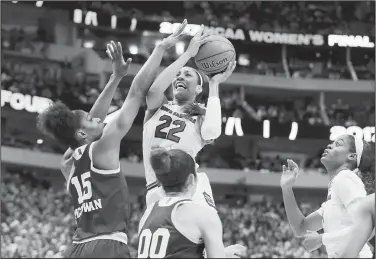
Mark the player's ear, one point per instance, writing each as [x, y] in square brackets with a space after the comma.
[352, 157]
[81, 134]
[198, 89]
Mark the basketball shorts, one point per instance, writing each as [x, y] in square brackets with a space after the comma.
[100, 248]
[203, 194]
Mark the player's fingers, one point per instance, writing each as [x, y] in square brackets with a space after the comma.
[120, 48]
[181, 28]
[294, 164]
[288, 164]
[129, 61]
[109, 54]
[115, 48]
[111, 49]
[199, 33]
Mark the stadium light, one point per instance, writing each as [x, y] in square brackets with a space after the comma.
[40, 141]
[266, 129]
[294, 131]
[39, 4]
[243, 60]
[88, 44]
[133, 49]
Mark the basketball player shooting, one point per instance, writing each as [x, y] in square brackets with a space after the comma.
[349, 161]
[91, 165]
[362, 230]
[182, 123]
[176, 226]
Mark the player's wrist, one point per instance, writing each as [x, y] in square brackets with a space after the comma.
[116, 76]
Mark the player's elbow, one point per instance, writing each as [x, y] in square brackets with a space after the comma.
[210, 133]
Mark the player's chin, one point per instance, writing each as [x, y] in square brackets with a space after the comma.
[181, 95]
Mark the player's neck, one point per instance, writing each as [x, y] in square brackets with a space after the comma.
[176, 194]
[333, 172]
[182, 102]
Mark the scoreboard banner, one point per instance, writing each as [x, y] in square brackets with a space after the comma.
[97, 19]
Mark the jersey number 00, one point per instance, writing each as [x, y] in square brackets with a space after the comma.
[153, 245]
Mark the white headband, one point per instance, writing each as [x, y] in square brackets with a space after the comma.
[358, 148]
[200, 76]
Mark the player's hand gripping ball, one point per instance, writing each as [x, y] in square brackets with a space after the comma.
[215, 55]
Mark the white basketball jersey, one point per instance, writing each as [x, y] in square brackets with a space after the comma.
[168, 128]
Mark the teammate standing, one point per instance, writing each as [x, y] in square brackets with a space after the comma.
[362, 230]
[344, 159]
[91, 165]
[176, 226]
[182, 123]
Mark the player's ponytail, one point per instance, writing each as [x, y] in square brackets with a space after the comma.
[367, 167]
[160, 161]
[194, 109]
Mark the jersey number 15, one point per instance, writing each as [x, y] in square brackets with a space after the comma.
[153, 245]
[86, 193]
[170, 135]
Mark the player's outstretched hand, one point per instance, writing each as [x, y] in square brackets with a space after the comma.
[289, 174]
[312, 241]
[197, 40]
[119, 66]
[236, 251]
[220, 78]
[171, 40]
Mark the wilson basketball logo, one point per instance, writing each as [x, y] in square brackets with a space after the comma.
[214, 64]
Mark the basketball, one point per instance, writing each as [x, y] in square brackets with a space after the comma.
[214, 56]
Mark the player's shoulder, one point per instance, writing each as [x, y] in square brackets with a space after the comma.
[197, 211]
[348, 176]
[367, 204]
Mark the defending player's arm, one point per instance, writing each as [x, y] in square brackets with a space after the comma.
[212, 122]
[361, 231]
[212, 232]
[119, 70]
[109, 143]
[299, 223]
[155, 96]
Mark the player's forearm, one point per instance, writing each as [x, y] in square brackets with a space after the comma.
[212, 125]
[165, 78]
[144, 78]
[103, 102]
[294, 215]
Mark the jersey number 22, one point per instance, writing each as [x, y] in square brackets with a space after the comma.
[170, 135]
[153, 245]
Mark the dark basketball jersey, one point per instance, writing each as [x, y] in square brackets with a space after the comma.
[100, 197]
[159, 238]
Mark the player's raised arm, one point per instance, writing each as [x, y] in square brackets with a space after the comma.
[299, 223]
[155, 96]
[212, 124]
[119, 70]
[121, 123]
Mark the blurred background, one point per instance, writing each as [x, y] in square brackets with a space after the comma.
[305, 75]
